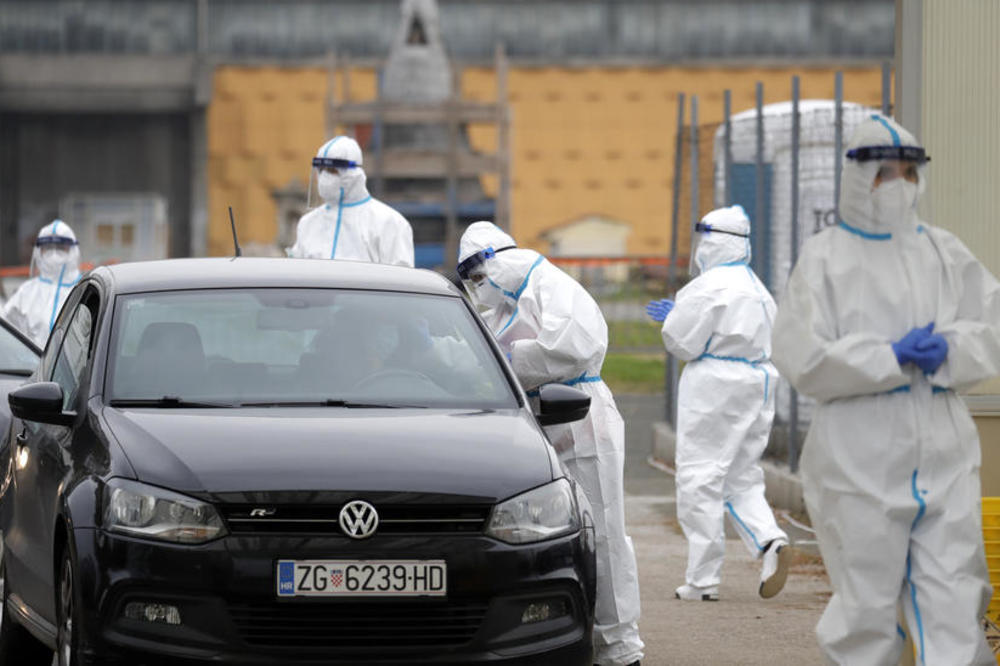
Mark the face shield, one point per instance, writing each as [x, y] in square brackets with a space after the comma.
[484, 292]
[702, 231]
[329, 179]
[52, 253]
[898, 179]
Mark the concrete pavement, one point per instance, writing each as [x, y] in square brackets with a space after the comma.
[741, 628]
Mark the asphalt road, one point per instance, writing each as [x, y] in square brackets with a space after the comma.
[741, 628]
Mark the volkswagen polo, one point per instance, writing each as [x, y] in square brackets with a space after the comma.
[265, 461]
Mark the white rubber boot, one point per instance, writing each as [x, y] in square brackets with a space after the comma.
[692, 593]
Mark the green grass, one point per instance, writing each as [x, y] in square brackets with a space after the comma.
[634, 373]
[634, 334]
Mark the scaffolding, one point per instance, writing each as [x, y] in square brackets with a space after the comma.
[450, 162]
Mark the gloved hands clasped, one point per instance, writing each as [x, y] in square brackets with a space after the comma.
[923, 347]
[658, 310]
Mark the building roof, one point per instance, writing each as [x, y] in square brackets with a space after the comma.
[258, 272]
[532, 30]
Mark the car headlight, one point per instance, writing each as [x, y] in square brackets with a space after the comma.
[149, 512]
[543, 513]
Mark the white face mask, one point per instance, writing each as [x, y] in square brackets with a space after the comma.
[894, 202]
[51, 260]
[329, 185]
[486, 296]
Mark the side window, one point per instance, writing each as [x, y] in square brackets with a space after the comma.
[71, 363]
[56, 336]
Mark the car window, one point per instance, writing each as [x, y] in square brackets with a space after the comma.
[263, 346]
[73, 355]
[15, 356]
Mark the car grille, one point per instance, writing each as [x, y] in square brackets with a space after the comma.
[366, 626]
[393, 519]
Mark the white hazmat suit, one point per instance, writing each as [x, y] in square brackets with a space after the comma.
[35, 305]
[554, 332]
[721, 325]
[351, 224]
[891, 463]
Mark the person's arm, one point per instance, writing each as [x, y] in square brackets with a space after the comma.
[396, 244]
[974, 336]
[573, 338]
[808, 352]
[297, 251]
[688, 328]
[13, 311]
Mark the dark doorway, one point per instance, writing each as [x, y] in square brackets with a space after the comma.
[44, 157]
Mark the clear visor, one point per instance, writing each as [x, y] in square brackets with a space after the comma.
[704, 228]
[325, 181]
[473, 266]
[55, 242]
[890, 170]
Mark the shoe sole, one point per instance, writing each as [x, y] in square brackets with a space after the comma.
[704, 597]
[776, 582]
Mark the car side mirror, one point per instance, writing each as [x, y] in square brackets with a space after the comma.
[559, 403]
[41, 402]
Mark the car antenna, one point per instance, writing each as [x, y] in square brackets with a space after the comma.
[232, 223]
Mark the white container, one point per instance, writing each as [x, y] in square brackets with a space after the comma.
[117, 227]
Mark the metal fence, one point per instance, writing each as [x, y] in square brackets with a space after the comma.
[782, 163]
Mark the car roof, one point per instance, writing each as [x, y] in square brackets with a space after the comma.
[261, 272]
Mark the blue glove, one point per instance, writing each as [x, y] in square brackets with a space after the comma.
[658, 310]
[509, 358]
[933, 351]
[906, 347]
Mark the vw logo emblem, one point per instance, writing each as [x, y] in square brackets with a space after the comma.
[358, 519]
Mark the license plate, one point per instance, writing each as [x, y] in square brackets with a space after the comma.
[362, 578]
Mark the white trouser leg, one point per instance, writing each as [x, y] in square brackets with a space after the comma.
[700, 513]
[616, 620]
[864, 549]
[744, 491]
[947, 585]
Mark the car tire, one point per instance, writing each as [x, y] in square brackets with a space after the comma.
[17, 645]
[67, 612]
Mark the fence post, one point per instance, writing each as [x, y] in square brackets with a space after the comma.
[838, 140]
[695, 208]
[727, 113]
[761, 250]
[670, 377]
[793, 407]
[886, 88]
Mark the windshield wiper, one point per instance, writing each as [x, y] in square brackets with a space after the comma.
[167, 401]
[20, 372]
[325, 403]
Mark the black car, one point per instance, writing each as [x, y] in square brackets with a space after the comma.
[267, 461]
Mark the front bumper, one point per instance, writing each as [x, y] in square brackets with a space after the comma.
[225, 592]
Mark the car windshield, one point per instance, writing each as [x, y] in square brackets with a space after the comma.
[272, 347]
[16, 358]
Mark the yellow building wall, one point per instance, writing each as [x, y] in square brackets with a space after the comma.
[264, 125]
[584, 140]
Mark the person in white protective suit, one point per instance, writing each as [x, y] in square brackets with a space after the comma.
[885, 319]
[350, 223]
[721, 325]
[553, 331]
[35, 305]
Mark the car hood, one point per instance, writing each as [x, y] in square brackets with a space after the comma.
[487, 454]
